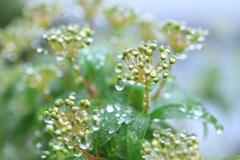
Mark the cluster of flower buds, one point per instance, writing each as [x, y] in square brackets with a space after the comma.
[167, 145]
[43, 13]
[69, 123]
[39, 77]
[90, 8]
[182, 38]
[140, 67]
[22, 33]
[120, 16]
[67, 40]
[148, 28]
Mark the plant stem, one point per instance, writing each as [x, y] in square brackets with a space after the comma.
[90, 87]
[146, 99]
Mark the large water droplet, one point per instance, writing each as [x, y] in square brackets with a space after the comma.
[72, 95]
[48, 120]
[118, 70]
[96, 126]
[219, 129]
[77, 152]
[119, 85]
[70, 146]
[43, 155]
[110, 108]
[198, 111]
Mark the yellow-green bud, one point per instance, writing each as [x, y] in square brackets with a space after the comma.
[50, 128]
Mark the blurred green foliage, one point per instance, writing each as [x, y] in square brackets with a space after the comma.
[32, 78]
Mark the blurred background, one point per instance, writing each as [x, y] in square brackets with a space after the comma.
[212, 74]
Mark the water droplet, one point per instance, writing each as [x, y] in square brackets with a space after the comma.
[117, 115]
[128, 120]
[118, 70]
[60, 58]
[219, 129]
[85, 145]
[70, 146]
[121, 120]
[120, 56]
[131, 82]
[117, 106]
[119, 85]
[111, 130]
[183, 56]
[124, 115]
[110, 108]
[77, 152]
[198, 111]
[72, 95]
[48, 120]
[40, 50]
[166, 95]
[96, 126]
[43, 155]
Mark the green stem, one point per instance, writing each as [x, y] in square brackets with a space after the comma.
[146, 99]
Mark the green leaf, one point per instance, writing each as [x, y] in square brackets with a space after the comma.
[173, 94]
[232, 158]
[134, 145]
[138, 126]
[185, 111]
[109, 125]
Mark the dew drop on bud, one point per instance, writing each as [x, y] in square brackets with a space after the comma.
[119, 85]
[219, 129]
[118, 70]
[72, 95]
[77, 152]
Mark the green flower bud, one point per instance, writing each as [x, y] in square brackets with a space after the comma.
[165, 74]
[85, 119]
[131, 67]
[58, 132]
[57, 103]
[74, 109]
[50, 128]
[161, 48]
[69, 128]
[46, 113]
[95, 118]
[153, 74]
[95, 111]
[120, 65]
[119, 77]
[87, 132]
[81, 133]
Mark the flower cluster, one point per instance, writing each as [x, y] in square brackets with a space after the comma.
[182, 38]
[70, 124]
[140, 64]
[148, 28]
[168, 146]
[39, 77]
[43, 13]
[120, 16]
[22, 33]
[67, 40]
[90, 8]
